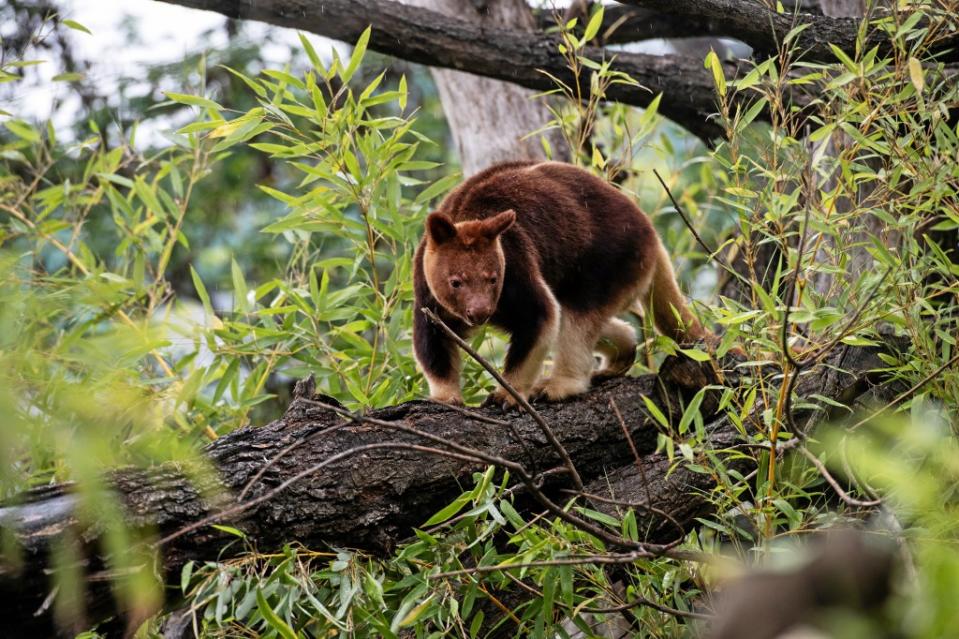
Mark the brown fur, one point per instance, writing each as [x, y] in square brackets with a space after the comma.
[549, 253]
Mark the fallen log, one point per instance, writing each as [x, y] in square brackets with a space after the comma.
[381, 486]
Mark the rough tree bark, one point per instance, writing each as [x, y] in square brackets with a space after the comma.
[373, 498]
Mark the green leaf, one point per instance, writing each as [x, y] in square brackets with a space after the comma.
[193, 100]
[691, 411]
[68, 77]
[311, 53]
[695, 354]
[595, 22]
[185, 575]
[228, 376]
[239, 288]
[414, 614]
[442, 185]
[147, 196]
[76, 26]
[22, 130]
[450, 510]
[201, 292]
[403, 92]
[477, 624]
[713, 63]
[358, 51]
[271, 618]
[845, 59]
[655, 412]
[253, 84]
[230, 530]
[916, 75]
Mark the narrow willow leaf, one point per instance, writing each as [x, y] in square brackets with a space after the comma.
[712, 63]
[358, 52]
[592, 28]
[916, 74]
[273, 619]
[76, 26]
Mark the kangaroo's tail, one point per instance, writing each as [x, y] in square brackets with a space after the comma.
[666, 302]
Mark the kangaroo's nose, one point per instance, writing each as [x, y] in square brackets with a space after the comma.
[477, 314]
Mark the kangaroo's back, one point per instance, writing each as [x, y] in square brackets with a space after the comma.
[591, 240]
[551, 254]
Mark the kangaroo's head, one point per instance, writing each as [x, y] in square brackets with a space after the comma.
[464, 264]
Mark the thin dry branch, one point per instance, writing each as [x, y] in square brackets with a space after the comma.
[843, 495]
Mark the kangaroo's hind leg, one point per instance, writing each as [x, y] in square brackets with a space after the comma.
[573, 363]
[617, 345]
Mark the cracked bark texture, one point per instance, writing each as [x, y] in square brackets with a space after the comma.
[374, 499]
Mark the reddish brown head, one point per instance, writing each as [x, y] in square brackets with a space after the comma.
[464, 264]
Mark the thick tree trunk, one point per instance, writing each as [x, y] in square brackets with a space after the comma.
[372, 496]
[491, 120]
[853, 245]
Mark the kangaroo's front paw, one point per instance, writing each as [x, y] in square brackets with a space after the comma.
[453, 399]
[501, 398]
[557, 389]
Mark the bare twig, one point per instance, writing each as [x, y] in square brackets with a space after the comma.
[633, 603]
[634, 504]
[791, 367]
[646, 603]
[611, 558]
[843, 495]
[472, 414]
[632, 447]
[792, 289]
[713, 255]
[525, 405]
[907, 394]
[462, 410]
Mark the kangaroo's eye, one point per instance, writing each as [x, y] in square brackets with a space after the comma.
[492, 280]
[456, 282]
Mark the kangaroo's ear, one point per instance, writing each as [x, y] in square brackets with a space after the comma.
[497, 224]
[440, 228]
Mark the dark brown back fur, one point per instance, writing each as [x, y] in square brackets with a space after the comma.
[590, 241]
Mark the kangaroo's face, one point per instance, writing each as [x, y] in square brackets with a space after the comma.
[464, 264]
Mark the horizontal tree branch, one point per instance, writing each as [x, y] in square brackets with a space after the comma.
[753, 22]
[623, 24]
[427, 37]
[373, 483]
[529, 59]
